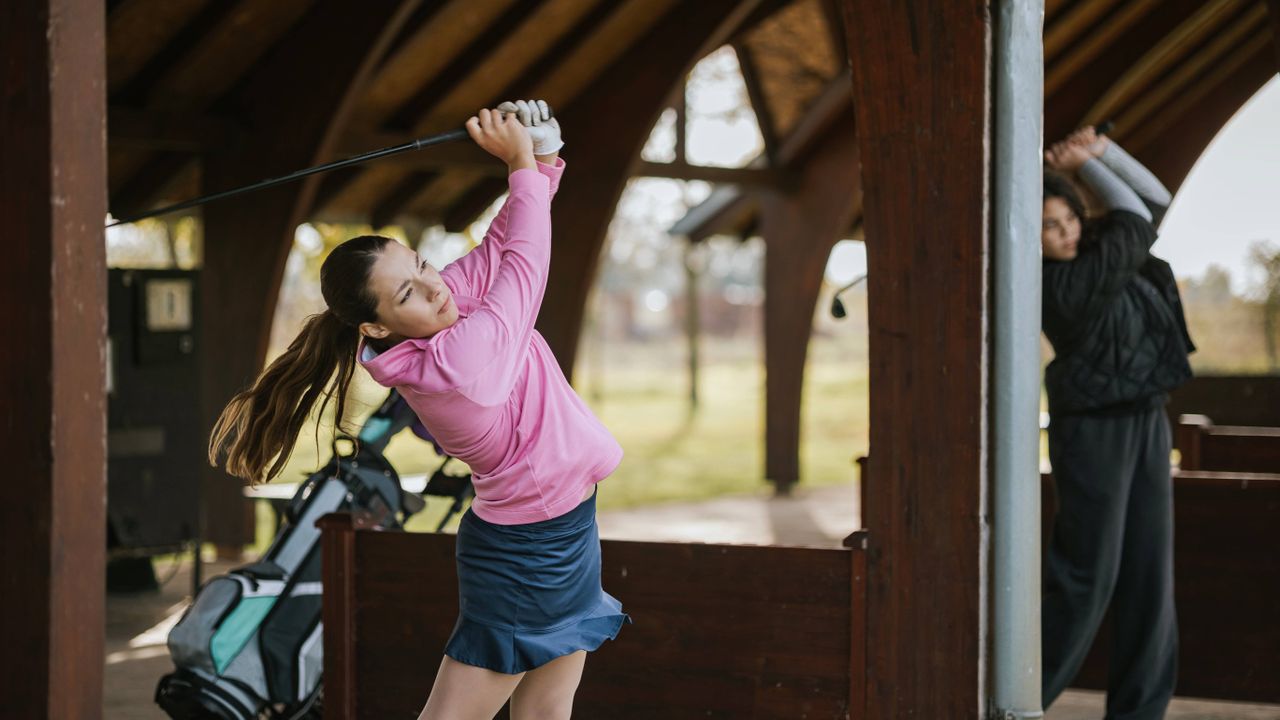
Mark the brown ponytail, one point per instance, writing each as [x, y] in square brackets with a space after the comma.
[263, 422]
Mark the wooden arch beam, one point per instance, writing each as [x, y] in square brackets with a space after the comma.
[799, 230]
[1273, 9]
[632, 93]
[1172, 148]
[248, 238]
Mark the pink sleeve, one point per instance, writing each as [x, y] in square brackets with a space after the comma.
[481, 355]
[474, 273]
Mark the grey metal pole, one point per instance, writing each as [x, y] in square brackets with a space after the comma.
[1015, 372]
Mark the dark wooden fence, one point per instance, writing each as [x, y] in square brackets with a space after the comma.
[1226, 448]
[1229, 399]
[1227, 586]
[720, 631]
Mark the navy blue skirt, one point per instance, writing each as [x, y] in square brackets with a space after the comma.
[531, 593]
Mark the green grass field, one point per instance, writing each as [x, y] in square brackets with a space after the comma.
[672, 454]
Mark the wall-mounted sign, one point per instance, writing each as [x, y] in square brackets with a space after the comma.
[168, 305]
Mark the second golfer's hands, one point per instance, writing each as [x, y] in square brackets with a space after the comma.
[503, 137]
[543, 127]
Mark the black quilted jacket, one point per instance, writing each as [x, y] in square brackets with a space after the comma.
[1115, 321]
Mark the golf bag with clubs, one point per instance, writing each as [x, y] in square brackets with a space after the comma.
[250, 645]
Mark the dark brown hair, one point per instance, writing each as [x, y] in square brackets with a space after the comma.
[263, 422]
[1060, 186]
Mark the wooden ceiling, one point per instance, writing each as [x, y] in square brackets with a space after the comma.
[1169, 72]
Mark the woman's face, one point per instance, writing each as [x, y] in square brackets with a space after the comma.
[413, 301]
[1059, 230]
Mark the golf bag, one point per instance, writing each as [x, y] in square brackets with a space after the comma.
[250, 646]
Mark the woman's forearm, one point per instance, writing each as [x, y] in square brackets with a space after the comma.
[1111, 190]
[1135, 174]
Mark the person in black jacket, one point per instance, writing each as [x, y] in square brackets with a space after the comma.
[1112, 313]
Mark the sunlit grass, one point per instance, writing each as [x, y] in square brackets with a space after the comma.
[672, 454]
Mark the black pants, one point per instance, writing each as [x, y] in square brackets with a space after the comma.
[1112, 543]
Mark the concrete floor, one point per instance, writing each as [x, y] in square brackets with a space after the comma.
[137, 625]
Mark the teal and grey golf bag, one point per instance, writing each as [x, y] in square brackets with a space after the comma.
[250, 644]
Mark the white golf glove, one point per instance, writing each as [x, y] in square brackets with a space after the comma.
[544, 129]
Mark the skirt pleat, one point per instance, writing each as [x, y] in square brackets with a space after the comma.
[531, 593]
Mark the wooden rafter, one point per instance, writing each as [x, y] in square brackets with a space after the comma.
[433, 200]
[484, 192]
[451, 79]
[835, 28]
[223, 55]
[833, 102]
[759, 102]
[1093, 44]
[563, 80]
[1164, 55]
[144, 190]
[174, 131]
[141, 29]
[1218, 71]
[1273, 8]
[1076, 19]
[477, 81]
[1066, 107]
[472, 203]
[1204, 68]
[422, 53]
[133, 82]
[385, 212]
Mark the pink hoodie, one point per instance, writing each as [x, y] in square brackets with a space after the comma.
[488, 387]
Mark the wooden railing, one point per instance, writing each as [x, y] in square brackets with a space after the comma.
[1226, 585]
[1226, 448]
[1229, 399]
[720, 631]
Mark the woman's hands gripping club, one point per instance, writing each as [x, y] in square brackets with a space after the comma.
[503, 137]
[1069, 154]
[517, 132]
[544, 129]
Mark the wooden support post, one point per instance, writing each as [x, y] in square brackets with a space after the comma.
[247, 238]
[920, 77]
[692, 320]
[858, 625]
[337, 558]
[53, 288]
[799, 230]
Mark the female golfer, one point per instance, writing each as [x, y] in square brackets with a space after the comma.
[461, 347]
[1112, 313]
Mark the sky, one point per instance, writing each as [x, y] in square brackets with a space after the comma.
[1232, 196]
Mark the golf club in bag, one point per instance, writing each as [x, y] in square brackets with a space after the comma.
[250, 646]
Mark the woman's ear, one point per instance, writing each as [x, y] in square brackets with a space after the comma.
[374, 330]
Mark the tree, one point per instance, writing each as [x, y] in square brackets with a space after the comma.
[1266, 256]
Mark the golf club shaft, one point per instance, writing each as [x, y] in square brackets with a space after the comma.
[272, 182]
